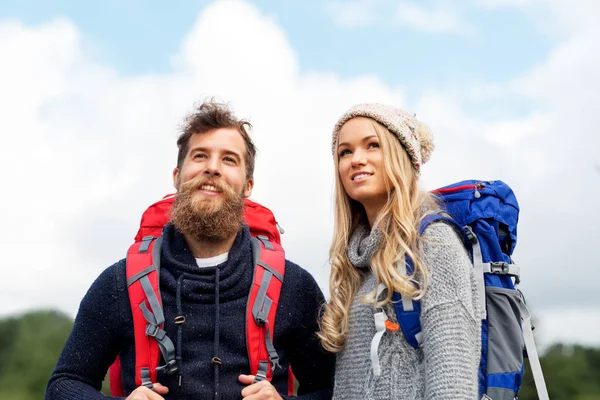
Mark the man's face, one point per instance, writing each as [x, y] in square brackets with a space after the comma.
[211, 185]
[218, 156]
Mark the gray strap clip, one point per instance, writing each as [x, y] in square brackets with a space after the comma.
[155, 332]
[145, 376]
[261, 374]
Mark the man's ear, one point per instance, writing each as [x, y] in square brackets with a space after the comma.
[176, 178]
[248, 188]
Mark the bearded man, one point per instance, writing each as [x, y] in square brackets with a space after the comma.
[206, 273]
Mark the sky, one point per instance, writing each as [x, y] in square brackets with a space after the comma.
[92, 97]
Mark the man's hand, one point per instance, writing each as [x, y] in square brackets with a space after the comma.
[143, 393]
[262, 390]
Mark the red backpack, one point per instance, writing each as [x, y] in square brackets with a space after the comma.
[142, 270]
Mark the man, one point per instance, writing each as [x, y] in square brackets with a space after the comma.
[206, 272]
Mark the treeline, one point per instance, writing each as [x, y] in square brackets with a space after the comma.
[29, 347]
[31, 343]
[571, 372]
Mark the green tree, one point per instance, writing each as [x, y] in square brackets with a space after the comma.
[29, 347]
[571, 373]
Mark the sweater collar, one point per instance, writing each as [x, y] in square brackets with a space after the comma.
[235, 274]
[363, 243]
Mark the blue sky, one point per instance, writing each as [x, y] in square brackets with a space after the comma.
[137, 37]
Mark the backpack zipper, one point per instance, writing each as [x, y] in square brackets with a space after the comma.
[279, 228]
[476, 187]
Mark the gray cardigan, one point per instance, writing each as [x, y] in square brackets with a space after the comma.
[446, 364]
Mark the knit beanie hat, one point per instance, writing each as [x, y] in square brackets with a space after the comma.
[415, 136]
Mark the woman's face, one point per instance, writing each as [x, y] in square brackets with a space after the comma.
[360, 164]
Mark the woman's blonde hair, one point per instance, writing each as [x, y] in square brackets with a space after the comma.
[398, 220]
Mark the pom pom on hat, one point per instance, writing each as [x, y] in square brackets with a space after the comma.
[425, 136]
[415, 136]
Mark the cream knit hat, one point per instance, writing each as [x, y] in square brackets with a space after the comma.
[415, 136]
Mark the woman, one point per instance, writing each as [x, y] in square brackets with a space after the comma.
[378, 152]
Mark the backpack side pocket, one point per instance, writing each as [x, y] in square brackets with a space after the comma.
[505, 343]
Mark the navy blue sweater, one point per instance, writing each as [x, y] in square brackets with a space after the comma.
[103, 328]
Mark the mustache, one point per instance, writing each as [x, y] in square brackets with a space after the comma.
[198, 182]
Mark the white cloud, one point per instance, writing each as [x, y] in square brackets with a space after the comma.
[510, 133]
[582, 326]
[354, 14]
[88, 150]
[555, 17]
[439, 16]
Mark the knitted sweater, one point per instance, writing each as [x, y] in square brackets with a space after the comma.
[103, 328]
[445, 365]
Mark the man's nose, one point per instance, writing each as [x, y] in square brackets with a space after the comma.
[212, 167]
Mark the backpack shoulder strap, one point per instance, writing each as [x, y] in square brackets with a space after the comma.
[439, 216]
[269, 270]
[408, 311]
[142, 270]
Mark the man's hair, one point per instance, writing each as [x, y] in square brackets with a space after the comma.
[213, 115]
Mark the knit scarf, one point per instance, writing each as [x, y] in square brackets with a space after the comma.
[362, 245]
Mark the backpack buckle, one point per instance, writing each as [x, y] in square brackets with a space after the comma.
[155, 331]
[470, 234]
[499, 268]
[274, 362]
[169, 368]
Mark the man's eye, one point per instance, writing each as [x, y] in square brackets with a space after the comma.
[230, 159]
[200, 155]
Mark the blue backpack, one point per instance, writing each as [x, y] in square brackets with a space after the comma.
[485, 215]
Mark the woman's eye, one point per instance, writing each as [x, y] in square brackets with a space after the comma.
[374, 145]
[344, 152]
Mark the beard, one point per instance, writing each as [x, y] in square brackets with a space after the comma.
[206, 218]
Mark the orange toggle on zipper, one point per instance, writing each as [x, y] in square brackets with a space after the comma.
[390, 326]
